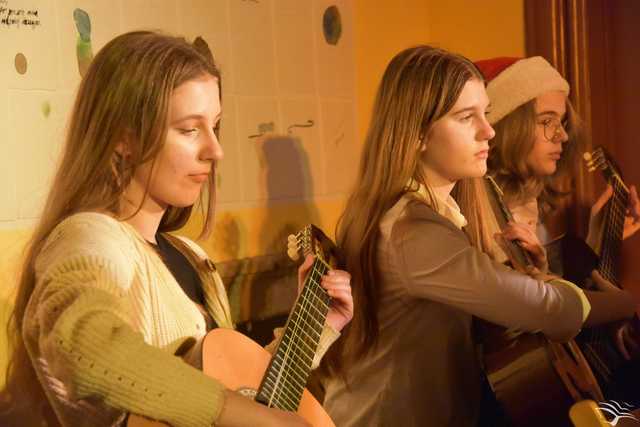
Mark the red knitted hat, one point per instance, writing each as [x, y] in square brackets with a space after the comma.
[512, 82]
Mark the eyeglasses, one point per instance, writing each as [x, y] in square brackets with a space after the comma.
[552, 127]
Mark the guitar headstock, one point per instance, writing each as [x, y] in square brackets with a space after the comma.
[312, 240]
[599, 159]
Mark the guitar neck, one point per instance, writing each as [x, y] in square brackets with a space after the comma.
[611, 243]
[287, 374]
[503, 216]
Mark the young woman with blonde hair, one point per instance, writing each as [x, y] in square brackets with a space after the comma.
[107, 298]
[537, 147]
[420, 263]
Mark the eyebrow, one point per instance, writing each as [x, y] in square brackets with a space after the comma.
[196, 116]
[551, 113]
[464, 110]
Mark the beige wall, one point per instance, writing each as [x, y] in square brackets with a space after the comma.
[382, 28]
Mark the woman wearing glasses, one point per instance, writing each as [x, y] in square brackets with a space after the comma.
[538, 142]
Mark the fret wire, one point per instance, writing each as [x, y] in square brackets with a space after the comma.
[300, 379]
[310, 349]
[279, 384]
[297, 383]
[320, 313]
[297, 326]
[286, 353]
[298, 315]
[280, 401]
[293, 356]
[317, 289]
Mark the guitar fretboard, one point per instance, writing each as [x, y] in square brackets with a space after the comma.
[612, 234]
[287, 374]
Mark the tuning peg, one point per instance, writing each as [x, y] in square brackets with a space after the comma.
[292, 247]
[587, 156]
[293, 253]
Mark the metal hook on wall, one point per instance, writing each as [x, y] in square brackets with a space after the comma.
[308, 124]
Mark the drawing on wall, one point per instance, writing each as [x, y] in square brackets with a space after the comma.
[20, 63]
[84, 50]
[332, 25]
[16, 17]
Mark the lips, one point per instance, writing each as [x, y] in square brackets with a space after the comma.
[199, 177]
[556, 155]
[482, 154]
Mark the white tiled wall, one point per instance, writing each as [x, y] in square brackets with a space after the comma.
[277, 69]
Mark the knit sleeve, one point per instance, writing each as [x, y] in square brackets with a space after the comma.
[437, 262]
[77, 324]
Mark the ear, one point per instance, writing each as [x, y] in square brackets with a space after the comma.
[123, 145]
[423, 144]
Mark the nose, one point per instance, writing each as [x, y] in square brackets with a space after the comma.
[211, 148]
[561, 134]
[485, 132]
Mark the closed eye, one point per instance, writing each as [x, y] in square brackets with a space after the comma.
[188, 131]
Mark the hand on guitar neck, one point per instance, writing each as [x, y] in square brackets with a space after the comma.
[631, 219]
[528, 240]
[337, 283]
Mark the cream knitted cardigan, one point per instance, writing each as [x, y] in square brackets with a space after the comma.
[103, 324]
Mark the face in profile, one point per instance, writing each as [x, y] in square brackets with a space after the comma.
[550, 133]
[457, 145]
[190, 150]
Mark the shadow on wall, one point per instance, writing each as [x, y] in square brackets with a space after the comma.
[265, 287]
[286, 178]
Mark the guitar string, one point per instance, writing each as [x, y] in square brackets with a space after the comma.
[293, 358]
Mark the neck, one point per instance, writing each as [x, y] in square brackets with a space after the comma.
[146, 220]
[440, 185]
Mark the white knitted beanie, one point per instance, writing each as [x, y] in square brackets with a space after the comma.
[512, 82]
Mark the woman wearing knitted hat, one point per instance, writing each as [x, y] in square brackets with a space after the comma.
[537, 143]
[419, 262]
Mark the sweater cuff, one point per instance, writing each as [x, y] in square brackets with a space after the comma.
[586, 305]
[327, 338]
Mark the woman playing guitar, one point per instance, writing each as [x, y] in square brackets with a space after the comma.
[107, 299]
[537, 143]
[420, 263]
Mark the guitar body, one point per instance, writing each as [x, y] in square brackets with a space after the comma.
[278, 380]
[534, 380]
[240, 364]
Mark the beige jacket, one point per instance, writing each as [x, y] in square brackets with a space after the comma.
[425, 370]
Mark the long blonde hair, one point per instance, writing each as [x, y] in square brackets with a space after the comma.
[514, 140]
[126, 89]
[419, 86]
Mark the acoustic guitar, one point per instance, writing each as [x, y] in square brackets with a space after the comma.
[598, 348]
[277, 380]
[534, 380]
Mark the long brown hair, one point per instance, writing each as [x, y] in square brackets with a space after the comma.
[514, 140]
[420, 85]
[126, 90]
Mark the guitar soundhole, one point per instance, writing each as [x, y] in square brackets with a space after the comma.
[251, 393]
